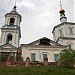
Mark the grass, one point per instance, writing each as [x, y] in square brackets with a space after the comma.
[36, 70]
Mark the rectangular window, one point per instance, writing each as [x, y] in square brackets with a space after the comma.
[71, 30]
[56, 57]
[33, 57]
[44, 56]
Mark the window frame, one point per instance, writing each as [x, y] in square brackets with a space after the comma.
[33, 57]
[56, 58]
[9, 40]
[45, 57]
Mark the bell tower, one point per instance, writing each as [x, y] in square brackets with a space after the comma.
[10, 32]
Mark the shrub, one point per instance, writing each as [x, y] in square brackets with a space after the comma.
[67, 58]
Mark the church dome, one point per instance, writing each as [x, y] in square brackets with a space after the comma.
[62, 11]
[13, 12]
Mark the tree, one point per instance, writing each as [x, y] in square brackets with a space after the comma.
[67, 58]
[19, 57]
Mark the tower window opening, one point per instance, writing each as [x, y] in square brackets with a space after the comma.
[12, 21]
[9, 39]
[71, 30]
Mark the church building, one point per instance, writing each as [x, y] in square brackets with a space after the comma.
[64, 33]
[38, 50]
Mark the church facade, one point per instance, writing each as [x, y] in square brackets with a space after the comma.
[41, 49]
[63, 34]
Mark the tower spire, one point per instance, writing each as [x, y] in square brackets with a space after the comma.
[62, 14]
[62, 11]
[15, 3]
[60, 5]
[14, 6]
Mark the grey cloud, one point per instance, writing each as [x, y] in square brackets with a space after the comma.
[39, 18]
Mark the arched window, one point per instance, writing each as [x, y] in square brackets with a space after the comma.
[12, 21]
[9, 39]
[44, 55]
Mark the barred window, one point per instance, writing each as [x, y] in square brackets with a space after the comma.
[56, 57]
[33, 57]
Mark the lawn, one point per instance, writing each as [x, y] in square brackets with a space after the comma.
[36, 70]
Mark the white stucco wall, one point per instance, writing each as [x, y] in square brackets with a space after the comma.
[26, 52]
[65, 33]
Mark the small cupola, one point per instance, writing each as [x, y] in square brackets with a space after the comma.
[61, 11]
[62, 14]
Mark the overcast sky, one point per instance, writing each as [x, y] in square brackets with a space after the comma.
[38, 16]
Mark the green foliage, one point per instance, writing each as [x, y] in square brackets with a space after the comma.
[12, 58]
[3, 57]
[36, 70]
[67, 58]
[19, 57]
